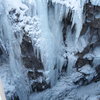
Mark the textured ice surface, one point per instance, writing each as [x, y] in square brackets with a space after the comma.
[95, 2]
[45, 29]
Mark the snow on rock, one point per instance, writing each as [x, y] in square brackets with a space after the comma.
[58, 92]
[89, 56]
[90, 91]
[87, 69]
[97, 52]
[76, 76]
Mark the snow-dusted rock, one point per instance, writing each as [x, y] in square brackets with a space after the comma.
[87, 69]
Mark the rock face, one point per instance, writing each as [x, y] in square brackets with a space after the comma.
[91, 22]
[34, 65]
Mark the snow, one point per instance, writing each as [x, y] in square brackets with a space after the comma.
[6, 78]
[62, 88]
[71, 62]
[65, 90]
[89, 56]
[76, 76]
[87, 69]
[97, 52]
[89, 90]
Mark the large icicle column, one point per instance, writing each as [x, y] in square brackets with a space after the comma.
[14, 52]
[46, 44]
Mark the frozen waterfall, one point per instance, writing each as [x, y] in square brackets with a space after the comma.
[12, 45]
[52, 29]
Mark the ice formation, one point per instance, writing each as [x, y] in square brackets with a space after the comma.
[54, 27]
[51, 38]
[12, 45]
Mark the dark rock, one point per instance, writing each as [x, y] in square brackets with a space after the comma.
[38, 87]
[99, 34]
[95, 23]
[82, 61]
[66, 22]
[34, 65]
[97, 9]
[97, 77]
[33, 75]
[79, 79]
[89, 9]
[14, 97]
[29, 58]
[84, 29]
[84, 76]
[12, 11]
[98, 69]
[1, 52]
[26, 46]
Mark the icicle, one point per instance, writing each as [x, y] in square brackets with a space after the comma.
[16, 67]
[15, 63]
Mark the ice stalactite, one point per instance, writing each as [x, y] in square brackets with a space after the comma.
[76, 6]
[50, 44]
[74, 10]
[14, 52]
[47, 45]
[2, 35]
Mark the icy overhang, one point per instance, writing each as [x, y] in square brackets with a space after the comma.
[95, 2]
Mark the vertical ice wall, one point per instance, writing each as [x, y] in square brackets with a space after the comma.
[14, 52]
[47, 42]
[50, 43]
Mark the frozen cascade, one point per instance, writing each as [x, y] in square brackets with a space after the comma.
[13, 47]
[62, 8]
[50, 46]
[51, 29]
[47, 44]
